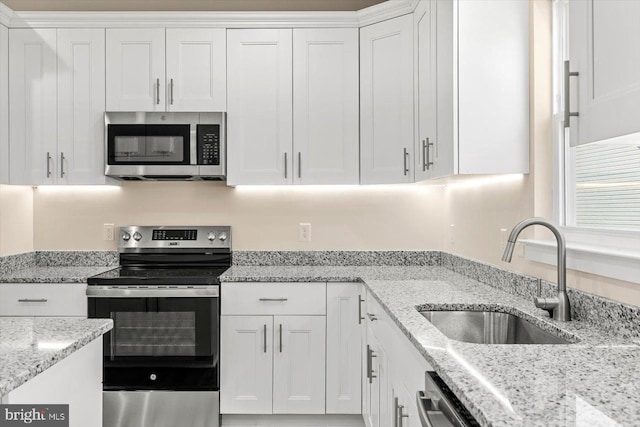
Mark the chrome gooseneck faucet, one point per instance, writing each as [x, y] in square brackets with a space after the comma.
[558, 307]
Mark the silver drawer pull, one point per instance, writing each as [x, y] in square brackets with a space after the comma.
[273, 299]
[33, 300]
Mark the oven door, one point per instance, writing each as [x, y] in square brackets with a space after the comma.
[160, 343]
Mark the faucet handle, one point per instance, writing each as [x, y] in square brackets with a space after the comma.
[539, 288]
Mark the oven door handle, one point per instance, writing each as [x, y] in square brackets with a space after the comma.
[124, 292]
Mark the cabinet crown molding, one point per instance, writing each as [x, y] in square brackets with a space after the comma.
[370, 15]
[6, 15]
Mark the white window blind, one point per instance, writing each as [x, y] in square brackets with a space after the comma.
[607, 184]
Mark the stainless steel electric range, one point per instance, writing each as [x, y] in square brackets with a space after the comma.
[161, 360]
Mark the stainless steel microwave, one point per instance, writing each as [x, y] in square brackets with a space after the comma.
[165, 146]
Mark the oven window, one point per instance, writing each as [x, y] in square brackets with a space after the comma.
[171, 330]
[149, 144]
[154, 334]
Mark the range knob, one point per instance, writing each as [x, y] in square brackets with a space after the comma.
[126, 236]
[211, 236]
[153, 377]
[137, 236]
[222, 237]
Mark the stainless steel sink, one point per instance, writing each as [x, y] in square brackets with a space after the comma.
[489, 327]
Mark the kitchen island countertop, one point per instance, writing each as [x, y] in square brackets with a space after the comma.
[30, 345]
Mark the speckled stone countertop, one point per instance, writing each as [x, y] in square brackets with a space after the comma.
[29, 345]
[595, 381]
[39, 274]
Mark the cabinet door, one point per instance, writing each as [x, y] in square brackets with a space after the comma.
[135, 70]
[405, 413]
[246, 357]
[81, 106]
[427, 163]
[386, 102]
[259, 105]
[344, 348]
[604, 49]
[325, 99]
[4, 105]
[379, 397]
[196, 69]
[299, 365]
[32, 97]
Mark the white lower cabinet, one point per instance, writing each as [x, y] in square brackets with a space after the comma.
[344, 348]
[396, 373]
[75, 381]
[273, 348]
[4, 105]
[43, 299]
[247, 361]
[299, 365]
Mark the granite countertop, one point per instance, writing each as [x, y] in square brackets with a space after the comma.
[48, 274]
[595, 381]
[29, 345]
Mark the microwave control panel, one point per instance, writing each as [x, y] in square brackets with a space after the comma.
[209, 145]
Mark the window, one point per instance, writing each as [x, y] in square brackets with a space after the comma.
[597, 187]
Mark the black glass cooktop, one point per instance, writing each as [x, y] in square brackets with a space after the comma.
[128, 276]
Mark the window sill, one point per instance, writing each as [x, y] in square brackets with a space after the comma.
[618, 264]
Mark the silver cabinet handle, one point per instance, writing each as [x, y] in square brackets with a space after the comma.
[299, 164]
[265, 337]
[48, 164]
[280, 337]
[404, 159]
[171, 91]
[426, 155]
[360, 318]
[285, 165]
[370, 371]
[158, 91]
[62, 159]
[567, 95]
[33, 300]
[372, 317]
[273, 299]
[400, 413]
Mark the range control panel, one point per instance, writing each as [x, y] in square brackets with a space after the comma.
[189, 237]
[208, 145]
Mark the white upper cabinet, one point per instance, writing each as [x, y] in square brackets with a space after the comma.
[81, 104]
[426, 148]
[58, 98]
[195, 77]
[325, 101]
[136, 69]
[604, 49]
[483, 87]
[32, 97]
[196, 69]
[386, 102]
[259, 104]
[4, 105]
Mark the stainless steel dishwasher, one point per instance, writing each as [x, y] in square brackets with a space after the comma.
[439, 407]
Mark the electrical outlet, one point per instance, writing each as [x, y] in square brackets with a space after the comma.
[305, 232]
[108, 232]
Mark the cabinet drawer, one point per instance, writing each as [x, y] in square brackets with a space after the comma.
[274, 298]
[43, 299]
